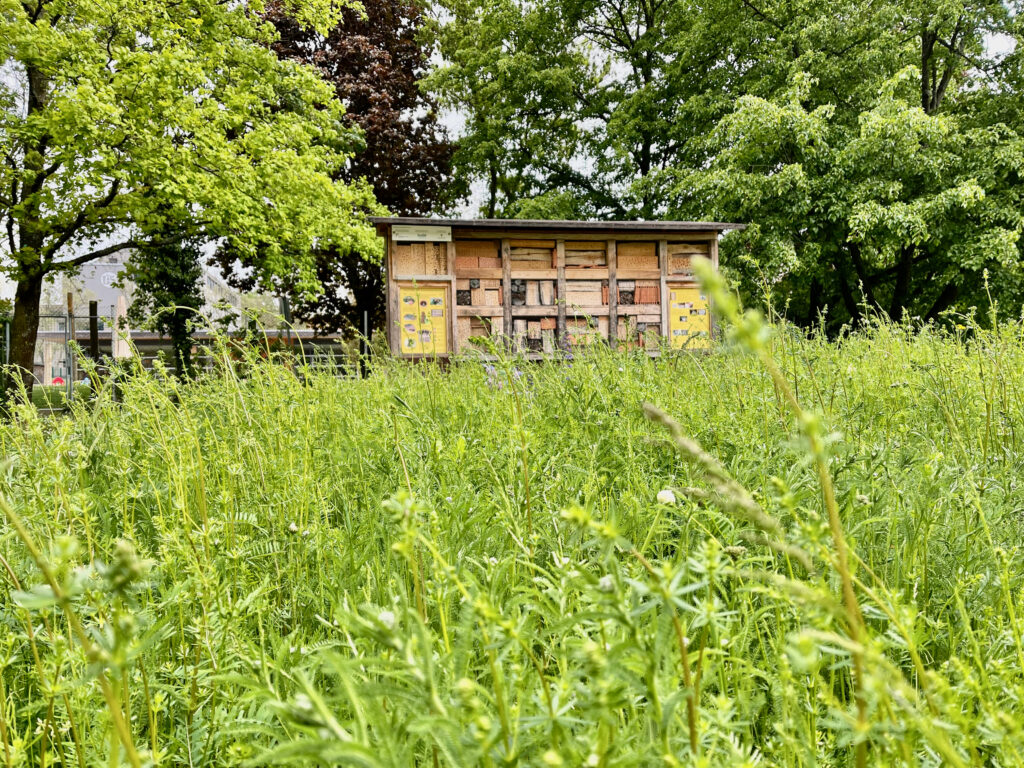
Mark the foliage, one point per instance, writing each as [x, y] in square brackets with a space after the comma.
[469, 568]
[168, 294]
[874, 149]
[145, 116]
[374, 58]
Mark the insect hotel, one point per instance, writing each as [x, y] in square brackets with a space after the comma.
[544, 286]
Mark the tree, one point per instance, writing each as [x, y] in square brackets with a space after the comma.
[567, 102]
[874, 147]
[168, 290]
[123, 117]
[374, 59]
[870, 159]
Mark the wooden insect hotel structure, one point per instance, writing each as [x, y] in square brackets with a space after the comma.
[544, 286]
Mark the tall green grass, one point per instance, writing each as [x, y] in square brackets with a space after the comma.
[471, 566]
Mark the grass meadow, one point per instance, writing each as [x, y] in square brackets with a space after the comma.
[807, 553]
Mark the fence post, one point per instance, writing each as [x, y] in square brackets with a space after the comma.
[364, 344]
[94, 330]
[69, 350]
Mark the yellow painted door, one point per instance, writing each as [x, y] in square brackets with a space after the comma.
[424, 319]
[689, 318]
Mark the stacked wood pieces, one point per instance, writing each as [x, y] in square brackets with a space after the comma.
[420, 259]
[473, 327]
[636, 257]
[532, 254]
[477, 254]
[582, 331]
[680, 257]
[586, 293]
[532, 293]
[478, 292]
[586, 254]
[639, 331]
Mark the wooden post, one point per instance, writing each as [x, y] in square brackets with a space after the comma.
[506, 289]
[712, 324]
[94, 330]
[392, 313]
[453, 326]
[563, 341]
[663, 263]
[613, 296]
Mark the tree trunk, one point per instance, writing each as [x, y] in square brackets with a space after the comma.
[901, 290]
[24, 328]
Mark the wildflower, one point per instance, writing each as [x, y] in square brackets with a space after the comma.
[387, 618]
[305, 532]
[666, 496]
[293, 528]
[606, 584]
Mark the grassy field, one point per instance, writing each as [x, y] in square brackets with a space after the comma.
[483, 566]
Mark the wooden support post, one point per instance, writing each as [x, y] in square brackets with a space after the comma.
[453, 338]
[94, 330]
[392, 314]
[663, 264]
[713, 325]
[506, 284]
[563, 341]
[613, 296]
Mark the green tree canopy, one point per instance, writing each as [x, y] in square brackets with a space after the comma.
[121, 117]
[874, 147]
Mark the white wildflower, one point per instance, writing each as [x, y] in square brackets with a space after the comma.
[606, 584]
[666, 496]
[387, 618]
[293, 528]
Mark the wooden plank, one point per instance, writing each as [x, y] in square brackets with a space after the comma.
[560, 268]
[492, 274]
[423, 278]
[583, 245]
[533, 274]
[613, 295]
[506, 281]
[637, 274]
[593, 273]
[530, 243]
[534, 312]
[532, 293]
[547, 292]
[479, 311]
[663, 263]
[463, 263]
[700, 249]
[463, 233]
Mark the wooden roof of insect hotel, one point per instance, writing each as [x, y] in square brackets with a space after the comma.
[545, 286]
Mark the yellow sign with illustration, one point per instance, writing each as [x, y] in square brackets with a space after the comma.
[423, 316]
[689, 318]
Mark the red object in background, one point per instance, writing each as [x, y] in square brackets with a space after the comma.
[57, 380]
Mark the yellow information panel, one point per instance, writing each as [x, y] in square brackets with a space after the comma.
[423, 312]
[689, 319]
